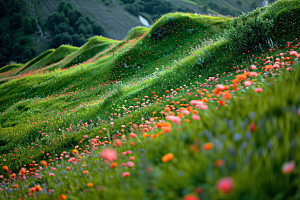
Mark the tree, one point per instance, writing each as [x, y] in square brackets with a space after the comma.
[73, 16]
[26, 55]
[27, 26]
[98, 29]
[205, 8]
[33, 24]
[68, 6]
[17, 49]
[82, 29]
[7, 41]
[16, 20]
[253, 4]
[16, 8]
[66, 39]
[61, 6]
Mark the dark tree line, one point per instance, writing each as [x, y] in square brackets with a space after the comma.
[14, 21]
[69, 26]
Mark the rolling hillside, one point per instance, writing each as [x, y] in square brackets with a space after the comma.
[195, 107]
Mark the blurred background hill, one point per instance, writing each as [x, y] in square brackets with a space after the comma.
[30, 27]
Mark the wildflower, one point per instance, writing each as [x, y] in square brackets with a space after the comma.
[195, 117]
[109, 154]
[225, 185]
[221, 102]
[43, 163]
[252, 127]
[90, 184]
[126, 174]
[51, 174]
[247, 83]
[258, 90]
[5, 168]
[38, 188]
[174, 119]
[288, 168]
[208, 146]
[168, 157]
[253, 67]
[113, 165]
[32, 189]
[219, 163]
[75, 151]
[85, 171]
[166, 127]
[190, 197]
[62, 197]
[130, 164]
[293, 53]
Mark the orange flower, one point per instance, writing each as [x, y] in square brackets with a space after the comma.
[43, 163]
[167, 157]
[189, 108]
[219, 163]
[208, 146]
[154, 136]
[113, 165]
[90, 184]
[227, 95]
[167, 109]
[5, 168]
[145, 135]
[167, 127]
[38, 188]
[62, 197]
[75, 151]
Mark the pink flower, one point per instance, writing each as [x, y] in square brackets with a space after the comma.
[289, 68]
[109, 154]
[247, 83]
[253, 67]
[51, 174]
[131, 158]
[185, 112]
[293, 53]
[85, 136]
[225, 184]
[86, 172]
[68, 168]
[288, 168]
[258, 90]
[125, 174]
[195, 117]
[174, 119]
[53, 168]
[130, 164]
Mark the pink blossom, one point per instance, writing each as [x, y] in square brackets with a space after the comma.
[293, 53]
[125, 174]
[247, 83]
[288, 168]
[109, 154]
[289, 68]
[253, 67]
[258, 90]
[174, 119]
[225, 184]
[195, 117]
[130, 164]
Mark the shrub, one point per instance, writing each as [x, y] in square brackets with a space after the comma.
[33, 24]
[7, 41]
[16, 20]
[27, 26]
[249, 31]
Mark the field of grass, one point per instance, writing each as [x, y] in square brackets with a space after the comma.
[171, 112]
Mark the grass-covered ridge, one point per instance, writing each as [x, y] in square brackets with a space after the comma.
[181, 106]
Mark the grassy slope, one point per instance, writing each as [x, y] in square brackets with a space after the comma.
[69, 99]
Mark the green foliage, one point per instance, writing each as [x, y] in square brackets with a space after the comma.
[69, 26]
[27, 26]
[7, 41]
[16, 21]
[33, 24]
[249, 31]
